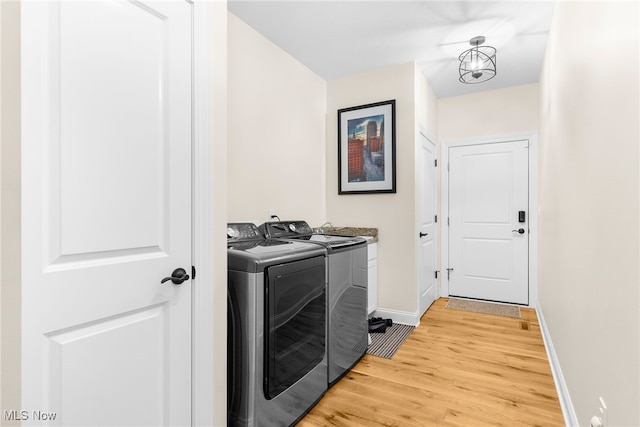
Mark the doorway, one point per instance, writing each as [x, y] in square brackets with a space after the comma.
[427, 228]
[489, 243]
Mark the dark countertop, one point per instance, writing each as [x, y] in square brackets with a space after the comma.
[354, 231]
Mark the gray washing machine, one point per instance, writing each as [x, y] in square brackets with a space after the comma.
[347, 289]
[277, 326]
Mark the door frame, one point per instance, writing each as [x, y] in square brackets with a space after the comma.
[532, 137]
[436, 238]
[203, 357]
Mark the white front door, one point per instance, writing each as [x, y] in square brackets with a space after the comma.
[106, 175]
[489, 216]
[427, 224]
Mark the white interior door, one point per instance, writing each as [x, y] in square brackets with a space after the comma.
[106, 93]
[427, 225]
[488, 256]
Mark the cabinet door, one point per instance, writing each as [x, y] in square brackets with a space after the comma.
[372, 298]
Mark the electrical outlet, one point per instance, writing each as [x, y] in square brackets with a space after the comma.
[272, 213]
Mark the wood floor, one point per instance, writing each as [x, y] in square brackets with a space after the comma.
[457, 368]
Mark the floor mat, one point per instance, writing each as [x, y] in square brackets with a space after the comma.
[385, 345]
[484, 307]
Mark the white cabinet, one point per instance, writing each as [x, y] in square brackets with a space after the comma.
[372, 258]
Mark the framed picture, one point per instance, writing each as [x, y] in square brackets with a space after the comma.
[367, 148]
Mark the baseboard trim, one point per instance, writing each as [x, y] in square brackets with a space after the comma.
[569, 413]
[403, 317]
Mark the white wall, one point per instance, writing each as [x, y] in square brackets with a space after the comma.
[490, 113]
[10, 260]
[218, 184]
[277, 114]
[426, 104]
[392, 214]
[589, 283]
[276, 152]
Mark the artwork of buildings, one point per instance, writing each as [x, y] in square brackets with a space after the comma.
[356, 160]
[365, 151]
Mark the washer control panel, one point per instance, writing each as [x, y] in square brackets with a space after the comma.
[285, 229]
[242, 231]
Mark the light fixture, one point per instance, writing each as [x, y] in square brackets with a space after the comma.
[477, 64]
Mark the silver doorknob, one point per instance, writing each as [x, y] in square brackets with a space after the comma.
[519, 230]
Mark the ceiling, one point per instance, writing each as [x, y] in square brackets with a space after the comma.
[339, 38]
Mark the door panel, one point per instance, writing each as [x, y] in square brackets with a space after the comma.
[427, 225]
[488, 185]
[128, 133]
[485, 258]
[125, 341]
[107, 211]
[126, 85]
[487, 189]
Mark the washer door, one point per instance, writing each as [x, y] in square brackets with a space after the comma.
[295, 322]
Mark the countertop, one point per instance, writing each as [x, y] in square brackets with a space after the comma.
[370, 233]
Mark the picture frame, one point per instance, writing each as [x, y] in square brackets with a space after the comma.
[367, 148]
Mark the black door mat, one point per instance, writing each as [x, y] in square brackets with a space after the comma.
[386, 344]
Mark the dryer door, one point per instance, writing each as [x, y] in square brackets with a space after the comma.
[295, 322]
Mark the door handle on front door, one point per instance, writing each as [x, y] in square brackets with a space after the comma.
[519, 230]
[177, 277]
[423, 234]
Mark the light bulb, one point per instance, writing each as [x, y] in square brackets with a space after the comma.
[477, 62]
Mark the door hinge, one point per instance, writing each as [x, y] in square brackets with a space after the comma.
[447, 221]
[436, 218]
[448, 166]
[193, 272]
[436, 162]
[436, 271]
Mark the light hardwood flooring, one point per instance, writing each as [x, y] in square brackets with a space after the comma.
[457, 368]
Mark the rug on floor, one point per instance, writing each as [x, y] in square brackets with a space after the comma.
[385, 345]
[484, 307]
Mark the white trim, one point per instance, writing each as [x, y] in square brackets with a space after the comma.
[202, 384]
[403, 317]
[533, 204]
[444, 197]
[533, 220]
[569, 413]
[2, 264]
[430, 136]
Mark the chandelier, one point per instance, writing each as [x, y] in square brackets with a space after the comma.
[477, 64]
